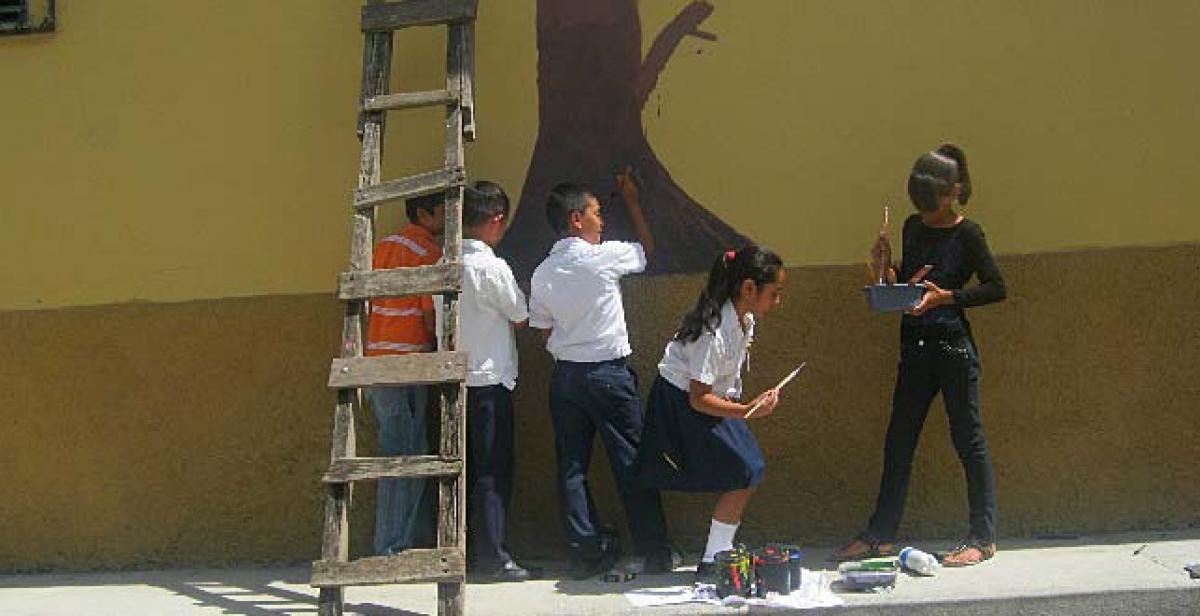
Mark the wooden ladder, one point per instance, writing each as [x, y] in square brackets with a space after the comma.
[445, 370]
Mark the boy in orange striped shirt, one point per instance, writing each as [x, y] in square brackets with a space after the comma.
[403, 515]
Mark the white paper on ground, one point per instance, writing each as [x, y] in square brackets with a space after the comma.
[653, 597]
[814, 592]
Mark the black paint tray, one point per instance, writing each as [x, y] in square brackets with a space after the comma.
[893, 297]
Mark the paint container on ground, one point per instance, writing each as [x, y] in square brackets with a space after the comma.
[888, 563]
[735, 572]
[795, 559]
[772, 571]
[865, 579]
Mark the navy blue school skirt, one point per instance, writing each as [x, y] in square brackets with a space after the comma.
[686, 450]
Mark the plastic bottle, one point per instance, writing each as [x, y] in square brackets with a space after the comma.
[919, 562]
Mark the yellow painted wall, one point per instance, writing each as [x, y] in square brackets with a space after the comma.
[1080, 118]
[168, 151]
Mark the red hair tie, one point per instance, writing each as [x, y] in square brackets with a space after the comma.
[731, 255]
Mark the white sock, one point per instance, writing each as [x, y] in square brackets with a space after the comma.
[720, 538]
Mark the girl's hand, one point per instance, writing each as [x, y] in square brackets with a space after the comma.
[881, 256]
[766, 402]
[934, 296]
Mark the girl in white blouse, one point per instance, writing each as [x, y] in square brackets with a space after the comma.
[695, 436]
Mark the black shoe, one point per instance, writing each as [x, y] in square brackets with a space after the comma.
[583, 569]
[663, 562]
[706, 573]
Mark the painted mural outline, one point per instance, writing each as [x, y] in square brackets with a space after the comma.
[592, 85]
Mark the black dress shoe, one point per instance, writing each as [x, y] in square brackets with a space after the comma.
[663, 562]
[583, 569]
[706, 573]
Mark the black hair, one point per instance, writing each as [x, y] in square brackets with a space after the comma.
[935, 174]
[564, 200]
[725, 284]
[428, 203]
[481, 201]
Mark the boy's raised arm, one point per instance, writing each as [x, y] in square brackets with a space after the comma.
[629, 191]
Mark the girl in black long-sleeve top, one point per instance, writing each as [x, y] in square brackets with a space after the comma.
[937, 353]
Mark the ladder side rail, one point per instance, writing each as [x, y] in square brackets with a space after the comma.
[452, 495]
[335, 544]
[467, 74]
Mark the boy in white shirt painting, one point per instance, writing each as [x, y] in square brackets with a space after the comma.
[576, 295]
[491, 304]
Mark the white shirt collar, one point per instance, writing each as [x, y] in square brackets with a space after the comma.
[740, 336]
[476, 246]
[567, 243]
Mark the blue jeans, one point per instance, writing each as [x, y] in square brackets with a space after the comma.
[403, 515]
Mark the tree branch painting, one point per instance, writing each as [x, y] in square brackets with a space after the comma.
[592, 85]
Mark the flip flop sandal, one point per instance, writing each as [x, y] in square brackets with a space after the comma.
[962, 555]
[874, 549]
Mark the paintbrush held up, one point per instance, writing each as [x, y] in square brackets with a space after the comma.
[879, 263]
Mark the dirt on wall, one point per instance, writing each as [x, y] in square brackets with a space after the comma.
[196, 433]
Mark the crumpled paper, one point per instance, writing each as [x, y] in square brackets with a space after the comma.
[814, 592]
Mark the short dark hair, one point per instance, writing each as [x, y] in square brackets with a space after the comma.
[935, 174]
[428, 203]
[481, 201]
[564, 200]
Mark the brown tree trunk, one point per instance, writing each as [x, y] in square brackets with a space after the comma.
[592, 84]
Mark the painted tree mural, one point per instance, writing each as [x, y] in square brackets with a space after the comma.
[592, 86]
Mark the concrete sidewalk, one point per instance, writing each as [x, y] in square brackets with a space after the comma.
[1129, 573]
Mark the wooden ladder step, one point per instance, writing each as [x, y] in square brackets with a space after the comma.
[400, 282]
[409, 566]
[410, 369]
[411, 186]
[346, 470]
[395, 15]
[410, 100]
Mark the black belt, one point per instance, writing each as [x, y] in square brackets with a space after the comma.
[934, 332]
[620, 361]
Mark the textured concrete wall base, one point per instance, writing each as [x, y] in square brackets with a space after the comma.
[195, 433]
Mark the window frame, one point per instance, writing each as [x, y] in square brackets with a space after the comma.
[23, 25]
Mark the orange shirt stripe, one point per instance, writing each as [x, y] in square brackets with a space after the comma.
[397, 325]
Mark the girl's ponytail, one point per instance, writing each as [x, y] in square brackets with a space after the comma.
[724, 283]
[956, 153]
[707, 313]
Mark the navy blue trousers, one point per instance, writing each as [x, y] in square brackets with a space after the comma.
[490, 444]
[591, 398]
[949, 365]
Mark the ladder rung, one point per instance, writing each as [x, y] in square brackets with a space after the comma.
[411, 186]
[410, 369]
[402, 281]
[346, 470]
[409, 100]
[435, 565]
[396, 15]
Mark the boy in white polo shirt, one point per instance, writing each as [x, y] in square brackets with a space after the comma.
[491, 305]
[576, 295]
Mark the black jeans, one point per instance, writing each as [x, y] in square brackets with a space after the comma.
[489, 474]
[602, 396]
[929, 365]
